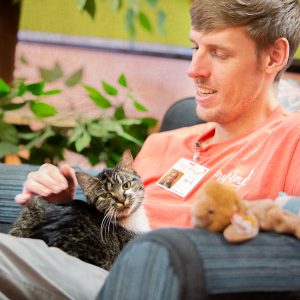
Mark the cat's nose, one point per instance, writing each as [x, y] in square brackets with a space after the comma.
[121, 199]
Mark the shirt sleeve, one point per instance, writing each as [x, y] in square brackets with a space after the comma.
[292, 183]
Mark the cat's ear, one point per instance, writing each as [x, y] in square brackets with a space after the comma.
[126, 161]
[86, 182]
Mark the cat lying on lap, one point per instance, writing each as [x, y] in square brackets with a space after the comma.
[97, 230]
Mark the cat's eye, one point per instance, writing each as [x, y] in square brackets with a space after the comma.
[126, 185]
[105, 195]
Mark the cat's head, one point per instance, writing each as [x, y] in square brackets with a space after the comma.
[117, 192]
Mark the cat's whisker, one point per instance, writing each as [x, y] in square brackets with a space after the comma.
[101, 230]
[110, 216]
[114, 220]
[103, 227]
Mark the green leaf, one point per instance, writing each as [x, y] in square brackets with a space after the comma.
[119, 113]
[97, 130]
[7, 148]
[13, 106]
[129, 137]
[78, 130]
[90, 8]
[130, 122]
[139, 106]
[136, 104]
[160, 20]
[152, 2]
[110, 90]
[144, 21]
[97, 97]
[129, 23]
[118, 129]
[82, 142]
[40, 138]
[122, 80]
[8, 133]
[149, 122]
[74, 78]
[36, 88]
[4, 88]
[49, 75]
[21, 90]
[116, 5]
[51, 92]
[81, 4]
[28, 135]
[42, 109]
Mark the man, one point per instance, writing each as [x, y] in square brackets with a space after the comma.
[240, 49]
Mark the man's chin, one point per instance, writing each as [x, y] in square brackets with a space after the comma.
[204, 114]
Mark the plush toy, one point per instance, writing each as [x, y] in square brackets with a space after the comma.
[219, 208]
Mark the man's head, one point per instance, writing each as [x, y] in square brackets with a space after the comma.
[240, 48]
[264, 20]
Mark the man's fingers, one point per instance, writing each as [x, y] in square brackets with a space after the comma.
[34, 187]
[23, 198]
[69, 174]
[46, 181]
[51, 183]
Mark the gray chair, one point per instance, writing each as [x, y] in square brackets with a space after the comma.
[182, 113]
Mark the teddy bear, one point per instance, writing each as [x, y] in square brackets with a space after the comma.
[219, 208]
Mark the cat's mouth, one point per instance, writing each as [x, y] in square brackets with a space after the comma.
[123, 205]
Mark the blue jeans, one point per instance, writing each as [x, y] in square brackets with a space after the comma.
[269, 264]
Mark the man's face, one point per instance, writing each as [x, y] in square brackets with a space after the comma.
[229, 79]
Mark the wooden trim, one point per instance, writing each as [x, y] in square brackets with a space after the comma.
[110, 45]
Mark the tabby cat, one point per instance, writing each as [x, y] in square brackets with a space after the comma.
[94, 231]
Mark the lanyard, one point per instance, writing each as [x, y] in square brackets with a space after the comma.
[198, 148]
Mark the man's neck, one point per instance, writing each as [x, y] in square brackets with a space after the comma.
[243, 124]
[250, 120]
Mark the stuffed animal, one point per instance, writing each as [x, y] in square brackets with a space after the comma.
[219, 208]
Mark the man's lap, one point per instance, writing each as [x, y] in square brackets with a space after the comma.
[29, 269]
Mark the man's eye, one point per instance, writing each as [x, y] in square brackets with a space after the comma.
[219, 55]
[126, 185]
[194, 49]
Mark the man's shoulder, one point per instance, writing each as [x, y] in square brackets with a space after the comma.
[291, 120]
[185, 131]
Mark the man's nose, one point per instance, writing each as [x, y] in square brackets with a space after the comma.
[200, 66]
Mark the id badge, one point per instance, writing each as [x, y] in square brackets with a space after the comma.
[183, 177]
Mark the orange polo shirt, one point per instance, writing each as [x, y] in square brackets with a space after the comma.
[259, 164]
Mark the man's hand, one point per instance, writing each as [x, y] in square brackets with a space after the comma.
[52, 183]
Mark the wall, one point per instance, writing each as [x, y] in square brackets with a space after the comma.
[58, 16]
[155, 81]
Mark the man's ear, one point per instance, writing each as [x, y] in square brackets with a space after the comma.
[277, 56]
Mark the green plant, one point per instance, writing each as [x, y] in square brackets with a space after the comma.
[134, 14]
[100, 139]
